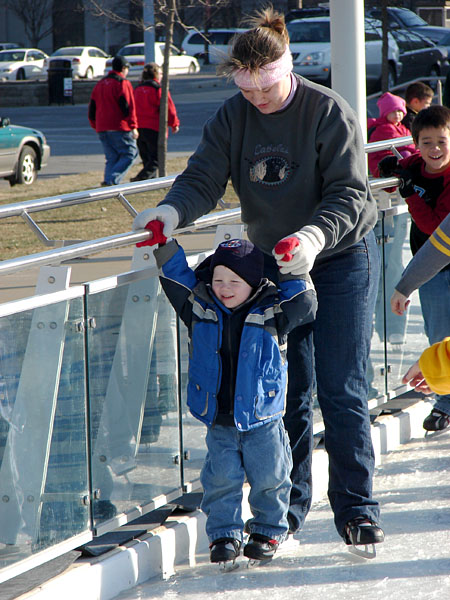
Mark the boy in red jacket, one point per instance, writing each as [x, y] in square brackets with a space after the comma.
[148, 98]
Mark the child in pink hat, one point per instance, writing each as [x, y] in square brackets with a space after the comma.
[388, 126]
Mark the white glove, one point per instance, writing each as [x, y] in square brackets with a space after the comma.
[296, 253]
[165, 213]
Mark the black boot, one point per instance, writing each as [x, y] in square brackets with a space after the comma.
[260, 547]
[362, 531]
[436, 421]
[224, 549]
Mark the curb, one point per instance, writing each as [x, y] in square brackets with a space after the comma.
[180, 539]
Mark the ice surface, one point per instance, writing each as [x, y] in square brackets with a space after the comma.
[413, 487]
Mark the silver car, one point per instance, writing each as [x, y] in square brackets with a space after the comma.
[311, 50]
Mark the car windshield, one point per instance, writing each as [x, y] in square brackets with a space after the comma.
[68, 52]
[410, 19]
[11, 56]
[132, 51]
[309, 32]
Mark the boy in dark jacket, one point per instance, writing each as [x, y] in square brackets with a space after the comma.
[238, 323]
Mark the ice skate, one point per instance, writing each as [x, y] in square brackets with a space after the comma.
[436, 421]
[259, 549]
[361, 534]
[225, 552]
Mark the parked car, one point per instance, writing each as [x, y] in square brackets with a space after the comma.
[179, 62]
[87, 61]
[218, 43]
[22, 63]
[9, 45]
[311, 50]
[403, 18]
[302, 13]
[419, 56]
[441, 37]
[23, 152]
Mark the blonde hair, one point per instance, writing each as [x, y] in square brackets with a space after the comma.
[264, 43]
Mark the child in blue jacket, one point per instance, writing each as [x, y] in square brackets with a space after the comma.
[238, 324]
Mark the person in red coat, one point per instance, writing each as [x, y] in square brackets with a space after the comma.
[112, 114]
[147, 97]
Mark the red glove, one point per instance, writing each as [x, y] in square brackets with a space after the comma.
[285, 246]
[156, 227]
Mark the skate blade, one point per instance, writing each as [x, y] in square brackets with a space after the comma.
[368, 552]
[253, 562]
[228, 566]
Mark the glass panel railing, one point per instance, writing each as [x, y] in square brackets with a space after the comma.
[44, 493]
[193, 431]
[376, 367]
[132, 388]
[405, 336]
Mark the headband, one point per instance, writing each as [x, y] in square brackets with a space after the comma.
[267, 75]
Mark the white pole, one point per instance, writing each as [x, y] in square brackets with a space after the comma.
[348, 57]
[149, 31]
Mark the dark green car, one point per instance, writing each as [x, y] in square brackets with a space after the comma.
[23, 152]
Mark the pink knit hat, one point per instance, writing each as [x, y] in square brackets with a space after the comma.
[387, 103]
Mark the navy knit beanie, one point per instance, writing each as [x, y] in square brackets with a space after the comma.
[242, 257]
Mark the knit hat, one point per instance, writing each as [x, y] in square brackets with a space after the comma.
[242, 257]
[119, 62]
[387, 103]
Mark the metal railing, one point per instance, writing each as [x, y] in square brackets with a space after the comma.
[75, 250]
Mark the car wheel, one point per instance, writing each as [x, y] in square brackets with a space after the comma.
[191, 69]
[89, 73]
[392, 77]
[20, 75]
[27, 167]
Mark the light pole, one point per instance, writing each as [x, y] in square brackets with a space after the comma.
[149, 31]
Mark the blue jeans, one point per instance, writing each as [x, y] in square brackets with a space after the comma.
[334, 351]
[120, 152]
[264, 456]
[435, 302]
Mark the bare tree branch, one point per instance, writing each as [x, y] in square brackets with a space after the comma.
[35, 16]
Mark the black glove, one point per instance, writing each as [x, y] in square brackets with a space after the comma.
[388, 166]
[406, 187]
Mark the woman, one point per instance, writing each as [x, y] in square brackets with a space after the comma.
[147, 96]
[295, 155]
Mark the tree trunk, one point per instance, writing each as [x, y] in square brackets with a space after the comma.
[163, 108]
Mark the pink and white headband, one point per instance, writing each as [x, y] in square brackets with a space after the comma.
[267, 75]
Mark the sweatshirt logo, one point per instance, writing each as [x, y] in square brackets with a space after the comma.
[268, 167]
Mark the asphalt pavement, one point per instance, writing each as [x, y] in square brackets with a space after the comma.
[75, 147]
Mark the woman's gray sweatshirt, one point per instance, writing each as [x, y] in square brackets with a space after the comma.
[304, 165]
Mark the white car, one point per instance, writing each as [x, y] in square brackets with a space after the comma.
[22, 63]
[218, 41]
[311, 50]
[179, 62]
[86, 61]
